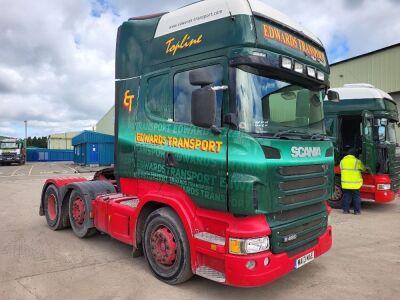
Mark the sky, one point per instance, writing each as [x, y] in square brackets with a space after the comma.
[57, 57]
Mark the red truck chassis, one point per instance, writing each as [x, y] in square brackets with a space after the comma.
[123, 218]
[370, 190]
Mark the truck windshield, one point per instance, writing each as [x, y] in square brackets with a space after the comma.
[6, 145]
[270, 107]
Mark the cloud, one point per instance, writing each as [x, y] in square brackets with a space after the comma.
[57, 57]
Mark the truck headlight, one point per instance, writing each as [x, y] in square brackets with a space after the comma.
[383, 187]
[248, 246]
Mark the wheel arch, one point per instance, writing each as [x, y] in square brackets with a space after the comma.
[89, 190]
[169, 196]
[60, 184]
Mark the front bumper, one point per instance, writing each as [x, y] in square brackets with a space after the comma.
[237, 274]
[369, 191]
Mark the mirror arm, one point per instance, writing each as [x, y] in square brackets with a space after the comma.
[230, 119]
[215, 130]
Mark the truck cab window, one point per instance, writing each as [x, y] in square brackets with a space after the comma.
[183, 93]
[158, 103]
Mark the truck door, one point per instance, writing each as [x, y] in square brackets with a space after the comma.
[196, 158]
[368, 146]
[127, 92]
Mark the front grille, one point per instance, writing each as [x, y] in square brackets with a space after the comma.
[302, 183]
[301, 170]
[289, 238]
[300, 214]
[306, 196]
[297, 213]
[395, 175]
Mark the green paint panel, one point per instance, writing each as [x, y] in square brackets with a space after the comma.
[227, 171]
[274, 38]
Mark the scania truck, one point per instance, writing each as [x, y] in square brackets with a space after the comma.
[365, 120]
[222, 166]
[12, 151]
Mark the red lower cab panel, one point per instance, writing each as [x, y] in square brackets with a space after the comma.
[117, 215]
[369, 189]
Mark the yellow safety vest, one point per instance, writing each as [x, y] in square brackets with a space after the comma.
[351, 168]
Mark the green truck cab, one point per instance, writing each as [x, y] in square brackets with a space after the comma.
[222, 163]
[12, 151]
[365, 119]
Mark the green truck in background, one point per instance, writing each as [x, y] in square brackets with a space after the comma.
[365, 120]
[12, 151]
[222, 168]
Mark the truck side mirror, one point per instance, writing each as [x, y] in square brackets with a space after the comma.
[204, 107]
[200, 77]
[333, 96]
[376, 133]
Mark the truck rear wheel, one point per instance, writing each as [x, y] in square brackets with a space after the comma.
[337, 197]
[166, 247]
[79, 215]
[51, 207]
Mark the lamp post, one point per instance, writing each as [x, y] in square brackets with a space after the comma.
[26, 133]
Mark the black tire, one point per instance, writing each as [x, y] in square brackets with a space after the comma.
[78, 211]
[51, 206]
[179, 269]
[337, 197]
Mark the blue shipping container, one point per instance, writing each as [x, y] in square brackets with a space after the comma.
[40, 154]
[93, 148]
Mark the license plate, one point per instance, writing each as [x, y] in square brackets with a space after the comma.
[305, 259]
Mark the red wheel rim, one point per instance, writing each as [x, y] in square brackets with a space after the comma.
[337, 194]
[51, 207]
[163, 246]
[78, 211]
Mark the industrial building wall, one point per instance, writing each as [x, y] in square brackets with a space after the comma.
[380, 68]
[61, 141]
[106, 124]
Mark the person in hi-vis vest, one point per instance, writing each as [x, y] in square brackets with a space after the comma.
[352, 181]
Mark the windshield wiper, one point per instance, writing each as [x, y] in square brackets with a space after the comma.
[282, 133]
[319, 136]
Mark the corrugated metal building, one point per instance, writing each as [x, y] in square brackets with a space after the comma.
[61, 140]
[381, 68]
[93, 148]
[106, 123]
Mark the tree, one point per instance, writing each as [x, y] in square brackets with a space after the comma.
[40, 142]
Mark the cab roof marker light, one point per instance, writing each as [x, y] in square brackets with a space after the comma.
[320, 76]
[286, 63]
[311, 72]
[259, 54]
[298, 67]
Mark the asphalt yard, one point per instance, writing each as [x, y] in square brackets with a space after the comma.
[36, 169]
[38, 263]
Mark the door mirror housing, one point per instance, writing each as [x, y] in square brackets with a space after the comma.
[378, 133]
[204, 107]
[200, 77]
[333, 96]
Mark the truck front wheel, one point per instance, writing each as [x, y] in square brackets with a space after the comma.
[337, 197]
[166, 246]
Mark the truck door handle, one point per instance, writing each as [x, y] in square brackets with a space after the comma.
[170, 160]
